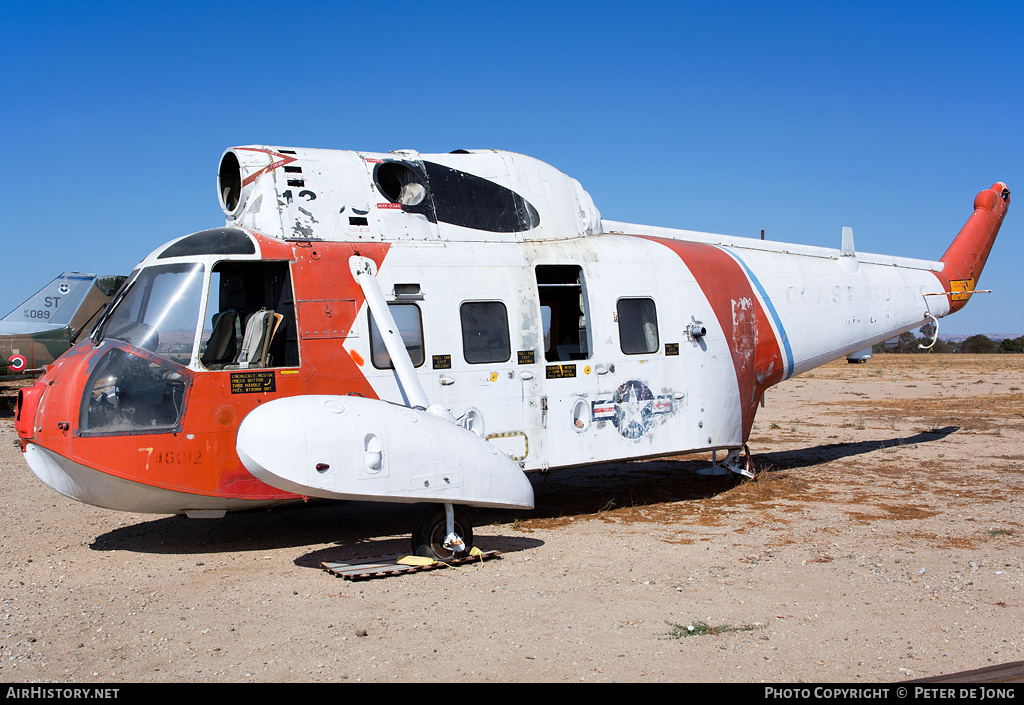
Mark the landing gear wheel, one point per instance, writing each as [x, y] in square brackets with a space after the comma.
[428, 538]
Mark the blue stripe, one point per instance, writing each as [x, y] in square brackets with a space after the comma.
[771, 312]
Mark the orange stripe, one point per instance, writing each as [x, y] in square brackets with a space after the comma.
[755, 351]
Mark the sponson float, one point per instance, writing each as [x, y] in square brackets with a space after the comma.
[407, 327]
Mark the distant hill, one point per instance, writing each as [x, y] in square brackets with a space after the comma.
[991, 336]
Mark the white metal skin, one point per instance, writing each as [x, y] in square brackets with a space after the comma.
[686, 394]
[861, 308]
[354, 448]
[545, 337]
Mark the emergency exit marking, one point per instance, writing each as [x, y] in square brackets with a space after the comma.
[253, 382]
[671, 348]
[525, 357]
[560, 371]
[442, 362]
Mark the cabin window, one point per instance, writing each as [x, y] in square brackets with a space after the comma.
[250, 317]
[638, 326]
[410, 326]
[563, 305]
[485, 332]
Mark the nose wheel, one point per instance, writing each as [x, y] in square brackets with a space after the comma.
[442, 533]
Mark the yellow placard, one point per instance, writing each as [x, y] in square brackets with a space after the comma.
[961, 289]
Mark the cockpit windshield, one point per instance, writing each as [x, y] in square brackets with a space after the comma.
[158, 311]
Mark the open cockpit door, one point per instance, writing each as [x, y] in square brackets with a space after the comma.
[250, 317]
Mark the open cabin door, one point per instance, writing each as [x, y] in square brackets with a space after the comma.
[570, 381]
[614, 385]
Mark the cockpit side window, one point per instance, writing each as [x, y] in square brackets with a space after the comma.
[250, 317]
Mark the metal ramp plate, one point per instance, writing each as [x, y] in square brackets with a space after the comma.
[399, 564]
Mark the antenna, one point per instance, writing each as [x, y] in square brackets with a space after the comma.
[848, 242]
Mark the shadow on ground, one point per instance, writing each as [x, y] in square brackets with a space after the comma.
[369, 529]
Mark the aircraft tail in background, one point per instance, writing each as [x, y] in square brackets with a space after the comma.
[39, 330]
[53, 306]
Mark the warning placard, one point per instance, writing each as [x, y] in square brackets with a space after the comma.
[560, 371]
[253, 382]
[960, 289]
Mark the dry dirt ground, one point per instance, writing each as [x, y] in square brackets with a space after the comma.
[882, 541]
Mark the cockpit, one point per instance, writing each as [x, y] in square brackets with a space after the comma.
[172, 319]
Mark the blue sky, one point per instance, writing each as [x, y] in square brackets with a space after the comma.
[793, 117]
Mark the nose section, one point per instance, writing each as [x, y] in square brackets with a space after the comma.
[25, 411]
[64, 476]
[47, 423]
[46, 410]
[43, 419]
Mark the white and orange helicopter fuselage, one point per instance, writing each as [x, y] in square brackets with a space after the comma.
[405, 327]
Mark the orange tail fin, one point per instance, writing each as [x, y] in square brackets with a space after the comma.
[966, 256]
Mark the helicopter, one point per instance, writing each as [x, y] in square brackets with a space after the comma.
[434, 328]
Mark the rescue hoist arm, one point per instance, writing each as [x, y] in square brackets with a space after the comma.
[364, 271]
